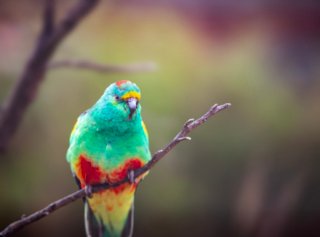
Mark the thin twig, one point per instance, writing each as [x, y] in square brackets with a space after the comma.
[26, 88]
[103, 68]
[181, 136]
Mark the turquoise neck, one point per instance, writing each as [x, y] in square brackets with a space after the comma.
[105, 115]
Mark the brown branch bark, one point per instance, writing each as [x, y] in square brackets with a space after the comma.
[103, 68]
[181, 136]
[33, 74]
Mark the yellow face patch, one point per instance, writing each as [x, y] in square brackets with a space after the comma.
[131, 94]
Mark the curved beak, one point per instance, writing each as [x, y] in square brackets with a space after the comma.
[132, 104]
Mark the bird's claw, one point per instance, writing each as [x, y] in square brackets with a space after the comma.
[88, 191]
[131, 178]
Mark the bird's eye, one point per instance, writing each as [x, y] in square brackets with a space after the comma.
[117, 97]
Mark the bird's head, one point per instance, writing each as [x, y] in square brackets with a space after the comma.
[124, 97]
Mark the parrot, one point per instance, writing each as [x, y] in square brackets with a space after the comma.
[107, 143]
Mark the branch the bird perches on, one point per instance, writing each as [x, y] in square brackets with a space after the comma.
[181, 136]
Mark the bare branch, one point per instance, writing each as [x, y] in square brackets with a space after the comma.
[87, 191]
[26, 220]
[26, 88]
[187, 128]
[103, 68]
[48, 19]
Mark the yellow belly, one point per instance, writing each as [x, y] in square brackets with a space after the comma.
[112, 206]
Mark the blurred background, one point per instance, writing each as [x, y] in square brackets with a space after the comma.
[252, 170]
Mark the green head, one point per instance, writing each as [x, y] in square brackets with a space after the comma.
[121, 99]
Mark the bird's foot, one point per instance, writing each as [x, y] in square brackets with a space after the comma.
[131, 178]
[88, 191]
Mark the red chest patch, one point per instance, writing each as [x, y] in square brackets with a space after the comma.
[122, 172]
[89, 173]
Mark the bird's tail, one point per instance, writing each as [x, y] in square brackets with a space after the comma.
[102, 220]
